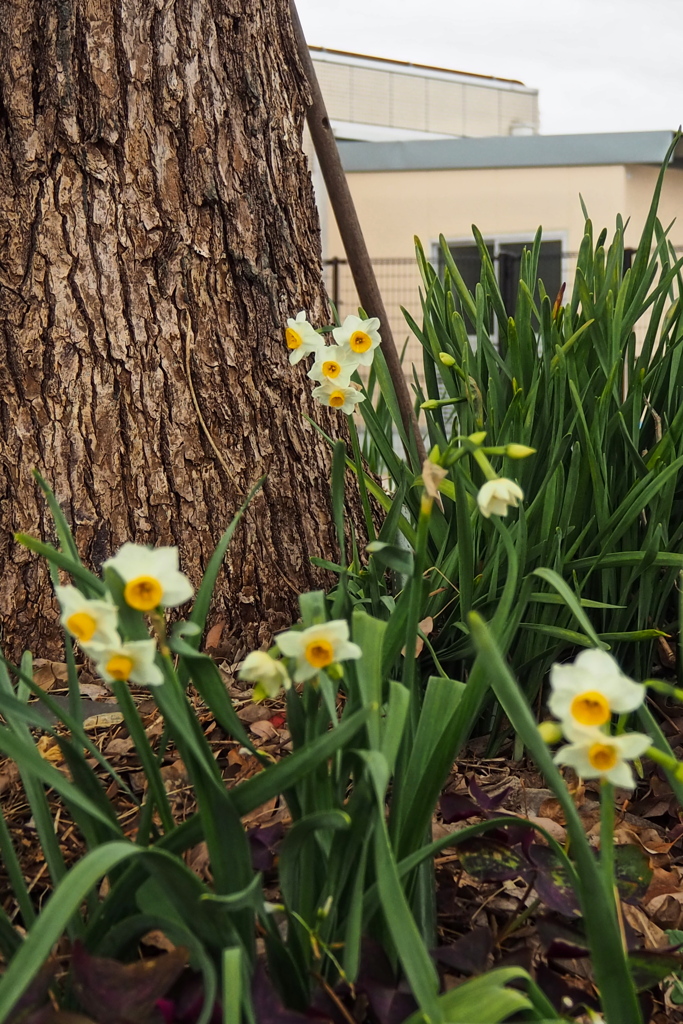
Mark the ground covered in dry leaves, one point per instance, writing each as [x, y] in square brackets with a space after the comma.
[501, 898]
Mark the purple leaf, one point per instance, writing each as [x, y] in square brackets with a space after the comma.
[490, 860]
[632, 871]
[112, 992]
[553, 882]
[457, 807]
[263, 843]
[267, 1006]
[650, 966]
[487, 802]
[34, 1000]
[469, 954]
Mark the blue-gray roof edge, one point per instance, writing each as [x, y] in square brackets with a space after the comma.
[511, 151]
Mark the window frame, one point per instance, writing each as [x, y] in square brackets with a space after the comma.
[498, 241]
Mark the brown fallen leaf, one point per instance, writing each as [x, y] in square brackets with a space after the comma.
[651, 841]
[264, 730]
[552, 809]
[104, 721]
[666, 910]
[235, 757]
[426, 625]
[213, 637]
[47, 673]
[158, 940]
[174, 774]
[93, 690]
[9, 777]
[198, 859]
[552, 827]
[662, 882]
[653, 935]
[253, 713]
[121, 745]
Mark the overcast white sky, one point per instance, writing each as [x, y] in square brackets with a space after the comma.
[599, 65]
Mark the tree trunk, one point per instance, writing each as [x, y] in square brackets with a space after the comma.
[157, 226]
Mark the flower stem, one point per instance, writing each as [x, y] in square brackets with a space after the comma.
[607, 837]
[358, 459]
[484, 464]
[415, 604]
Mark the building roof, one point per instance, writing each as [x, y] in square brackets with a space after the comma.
[511, 151]
[407, 67]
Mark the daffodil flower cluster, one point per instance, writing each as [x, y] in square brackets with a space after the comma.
[584, 697]
[151, 581]
[309, 652]
[334, 365]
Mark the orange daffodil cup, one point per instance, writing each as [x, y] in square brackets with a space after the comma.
[152, 582]
[89, 622]
[302, 338]
[359, 337]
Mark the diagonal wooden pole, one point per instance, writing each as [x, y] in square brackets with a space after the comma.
[352, 235]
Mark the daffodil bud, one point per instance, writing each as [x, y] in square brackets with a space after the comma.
[477, 438]
[446, 359]
[518, 451]
[551, 732]
[431, 403]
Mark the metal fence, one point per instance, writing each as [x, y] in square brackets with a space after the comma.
[400, 283]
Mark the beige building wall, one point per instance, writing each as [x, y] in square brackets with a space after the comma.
[395, 206]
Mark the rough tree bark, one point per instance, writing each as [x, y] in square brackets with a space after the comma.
[157, 226]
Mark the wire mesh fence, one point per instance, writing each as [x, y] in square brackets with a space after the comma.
[400, 283]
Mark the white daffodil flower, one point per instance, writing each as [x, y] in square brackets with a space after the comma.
[361, 337]
[334, 364]
[151, 577]
[88, 621]
[269, 675]
[318, 647]
[130, 662]
[302, 338]
[591, 689]
[495, 496]
[337, 397]
[595, 755]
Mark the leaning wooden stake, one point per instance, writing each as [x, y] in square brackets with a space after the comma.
[352, 236]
